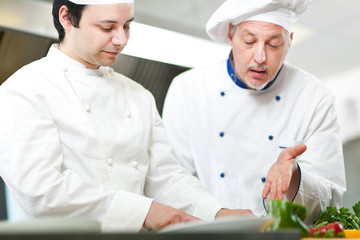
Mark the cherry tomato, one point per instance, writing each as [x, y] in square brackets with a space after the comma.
[312, 231]
[336, 227]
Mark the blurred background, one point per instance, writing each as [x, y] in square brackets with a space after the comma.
[168, 37]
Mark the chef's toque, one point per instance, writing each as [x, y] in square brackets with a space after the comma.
[100, 2]
[280, 12]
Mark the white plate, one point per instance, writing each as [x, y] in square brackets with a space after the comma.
[224, 224]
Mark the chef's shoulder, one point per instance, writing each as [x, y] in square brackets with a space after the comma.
[304, 81]
[24, 77]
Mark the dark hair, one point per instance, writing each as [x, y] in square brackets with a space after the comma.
[74, 15]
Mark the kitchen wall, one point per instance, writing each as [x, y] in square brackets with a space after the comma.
[18, 49]
[352, 169]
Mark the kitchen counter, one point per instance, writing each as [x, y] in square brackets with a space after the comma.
[156, 236]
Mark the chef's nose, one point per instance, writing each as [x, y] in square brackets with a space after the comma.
[120, 38]
[260, 55]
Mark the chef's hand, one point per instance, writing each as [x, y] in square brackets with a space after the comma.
[234, 212]
[161, 215]
[283, 176]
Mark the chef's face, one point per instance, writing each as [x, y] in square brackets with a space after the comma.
[102, 34]
[258, 50]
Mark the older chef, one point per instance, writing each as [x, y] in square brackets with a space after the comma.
[229, 121]
[80, 140]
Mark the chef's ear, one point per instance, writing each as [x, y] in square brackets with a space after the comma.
[231, 31]
[64, 17]
[291, 38]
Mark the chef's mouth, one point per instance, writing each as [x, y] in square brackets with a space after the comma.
[112, 53]
[258, 70]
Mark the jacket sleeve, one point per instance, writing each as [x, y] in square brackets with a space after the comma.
[169, 183]
[322, 165]
[31, 163]
[175, 122]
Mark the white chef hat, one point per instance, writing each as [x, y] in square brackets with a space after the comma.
[100, 2]
[281, 12]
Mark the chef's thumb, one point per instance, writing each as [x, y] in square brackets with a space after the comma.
[293, 152]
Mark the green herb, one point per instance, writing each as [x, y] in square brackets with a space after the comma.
[317, 234]
[342, 215]
[329, 233]
[356, 209]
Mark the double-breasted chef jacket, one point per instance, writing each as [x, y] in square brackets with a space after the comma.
[230, 136]
[80, 142]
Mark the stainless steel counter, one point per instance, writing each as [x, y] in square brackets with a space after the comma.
[156, 236]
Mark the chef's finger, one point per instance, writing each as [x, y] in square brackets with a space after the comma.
[293, 152]
[189, 218]
[266, 190]
[273, 190]
[279, 190]
[285, 183]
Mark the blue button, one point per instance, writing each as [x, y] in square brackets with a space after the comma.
[222, 93]
[263, 179]
[271, 137]
[221, 134]
[222, 175]
[277, 98]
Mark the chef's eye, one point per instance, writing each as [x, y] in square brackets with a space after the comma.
[275, 44]
[106, 29]
[249, 43]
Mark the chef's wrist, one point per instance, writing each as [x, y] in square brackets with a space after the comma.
[222, 212]
[294, 183]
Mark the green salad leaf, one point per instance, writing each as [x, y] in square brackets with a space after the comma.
[356, 209]
[342, 215]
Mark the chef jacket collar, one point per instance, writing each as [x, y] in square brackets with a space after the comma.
[67, 63]
[238, 81]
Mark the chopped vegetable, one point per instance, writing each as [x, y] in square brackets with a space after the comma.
[352, 234]
[343, 216]
[331, 230]
[287, 215]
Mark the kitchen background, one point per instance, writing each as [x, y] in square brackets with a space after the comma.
[168, 37]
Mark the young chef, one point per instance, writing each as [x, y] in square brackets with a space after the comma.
[228, 122]
[80, 140]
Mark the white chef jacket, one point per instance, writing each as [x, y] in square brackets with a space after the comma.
[229, 137]
[80, 142]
